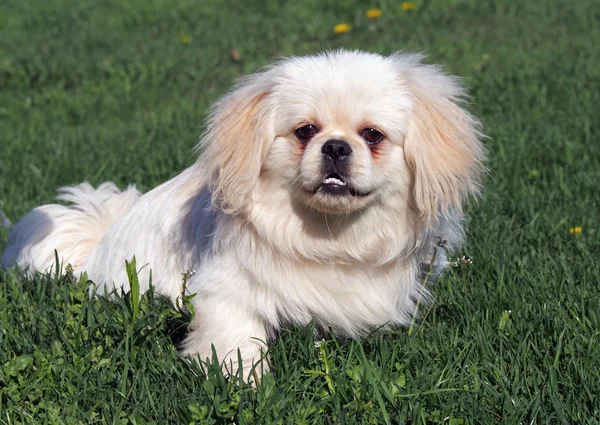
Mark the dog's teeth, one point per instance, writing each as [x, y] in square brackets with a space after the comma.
[333, 180]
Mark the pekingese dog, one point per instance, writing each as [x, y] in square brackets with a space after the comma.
[323, 186]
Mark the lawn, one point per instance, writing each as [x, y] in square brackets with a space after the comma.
[118, 91]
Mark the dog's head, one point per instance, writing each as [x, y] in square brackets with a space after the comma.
[341, 131]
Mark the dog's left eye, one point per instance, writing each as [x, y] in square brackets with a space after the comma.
[372, 136]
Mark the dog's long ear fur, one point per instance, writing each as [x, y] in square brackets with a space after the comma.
[443, 141]
[236, 141]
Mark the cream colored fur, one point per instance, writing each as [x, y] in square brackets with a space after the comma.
[267, 248]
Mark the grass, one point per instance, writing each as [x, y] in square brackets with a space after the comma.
[110, 91]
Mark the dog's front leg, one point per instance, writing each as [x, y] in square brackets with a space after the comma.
[228, 322]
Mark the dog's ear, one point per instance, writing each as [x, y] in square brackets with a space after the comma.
[443, 141]
[236, 142]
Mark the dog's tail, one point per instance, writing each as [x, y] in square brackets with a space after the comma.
[73, 230]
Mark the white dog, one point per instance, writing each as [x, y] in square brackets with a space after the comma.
[324, 184]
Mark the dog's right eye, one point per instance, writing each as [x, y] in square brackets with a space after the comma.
[305, 133]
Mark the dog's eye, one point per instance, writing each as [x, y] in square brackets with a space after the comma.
[372, 136]
[305, 133]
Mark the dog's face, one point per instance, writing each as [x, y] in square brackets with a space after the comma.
[341, 131]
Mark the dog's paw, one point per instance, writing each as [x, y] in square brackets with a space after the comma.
[246, 361]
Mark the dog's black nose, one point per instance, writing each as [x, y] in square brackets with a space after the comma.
[336, 150]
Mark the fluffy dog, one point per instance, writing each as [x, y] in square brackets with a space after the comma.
[323, 186]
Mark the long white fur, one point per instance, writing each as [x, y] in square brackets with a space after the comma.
[265, 252]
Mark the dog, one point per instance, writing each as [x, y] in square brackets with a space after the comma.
[324, 186]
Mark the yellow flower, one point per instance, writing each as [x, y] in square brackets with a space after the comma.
[408, 5]
[373, 13]
[341, 28]
[575, 230]
[185, 39]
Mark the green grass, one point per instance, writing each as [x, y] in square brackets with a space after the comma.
[106, 91]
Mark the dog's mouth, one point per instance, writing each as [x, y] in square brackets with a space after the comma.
[336, 185]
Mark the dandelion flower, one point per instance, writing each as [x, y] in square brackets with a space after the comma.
[575, 230]
[341, 28]
[373, 13]
[185, 39]
[408, 5]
